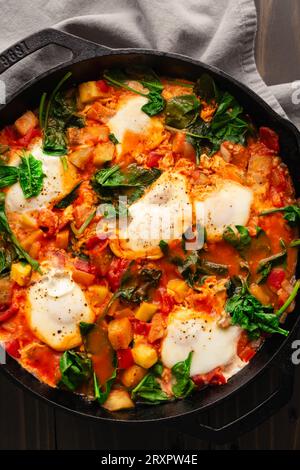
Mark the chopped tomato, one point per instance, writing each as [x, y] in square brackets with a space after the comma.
[117, 268]
[96, 242]
[140, 327]
[269, 138]
[125, 358]
[102, 85]
[244, 349]
[84, 265]
[24, 141]
[215, 377]
[165, 300]
[8, 313]
[153, 159]
[275, 278]
[13, 348]
[10, 135]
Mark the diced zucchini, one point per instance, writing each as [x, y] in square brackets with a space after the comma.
[144, 355]
[146, 311]
[89, 91]
[20, 273]
[103, 153]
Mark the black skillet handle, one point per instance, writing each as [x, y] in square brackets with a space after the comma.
[246, 422]
[81, 48]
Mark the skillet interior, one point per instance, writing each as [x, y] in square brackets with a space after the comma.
[262, 114]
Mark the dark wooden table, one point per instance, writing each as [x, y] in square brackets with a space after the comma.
[28, 423]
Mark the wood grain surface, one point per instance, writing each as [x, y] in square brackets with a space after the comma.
[28, 423]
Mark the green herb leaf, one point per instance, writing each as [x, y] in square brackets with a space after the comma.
[181, 111]
[184, 385]
[113, 139]
[101, 393]
[155, 105]
[85, 327]
[31, 176]
[265, 265]
[291, 214]
[12, 239]
[149, 391]
[156, 102]
[295, 243]
[9, 175]
[239, 238]
[75, 368]
[205, 88]
[164, 247]
[69, 198]
[252, 315]
[59, 115]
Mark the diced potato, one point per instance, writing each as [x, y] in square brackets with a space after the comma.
[26, 122]
[144, 355]
[103, 152]
[146, 311]
[80, 157]
[259, 293]
[132, 376]
[179, 288]
[157, 329]
[98, 293]
[30, 239]
[118, 400]
[28, 221]
[20, 273]
[62, 239]
[120, 333]
[86, 279]
[35, 249]
[89, 91]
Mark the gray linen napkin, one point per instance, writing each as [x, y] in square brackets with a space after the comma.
[221, 33]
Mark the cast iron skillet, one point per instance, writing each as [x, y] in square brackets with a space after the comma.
[88, 60]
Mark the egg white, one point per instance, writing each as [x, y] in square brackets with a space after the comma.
[163, 213]
[53, 185]
[212, 345]
[228, 204]
[55, 306]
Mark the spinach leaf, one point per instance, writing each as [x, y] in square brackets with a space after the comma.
[254, 317]
[146, 76]
[9, 175]
[181, 111]
[113, 139]
[10, 237]
[75, 368]
[31, 176]
[265, 265]
[112, 182]
[149, 391]
[156, 102]
[101, 393]
[193, 267]
[227, 122]
[85, 327]
[238, 238]
[69, 198]
[59, 115]
[155, 105]
[291, 214]
[205, 88]
[163, 245]
[184, 385]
